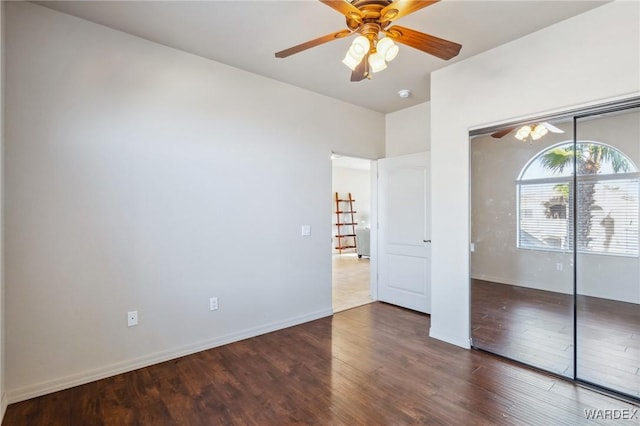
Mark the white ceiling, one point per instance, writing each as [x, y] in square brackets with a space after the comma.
[246, 34]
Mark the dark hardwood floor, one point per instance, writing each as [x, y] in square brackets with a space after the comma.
[531, 326]
[373, 364]
[536, 327]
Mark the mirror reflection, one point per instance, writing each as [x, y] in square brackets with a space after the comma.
[541, 201]
[607, 265]
[521, 250]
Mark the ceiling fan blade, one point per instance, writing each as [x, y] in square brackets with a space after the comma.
[312, 43]
[552, 128]
[432, 45]
[400, 8]
[346, 8]
[501, 133]
[362, 70]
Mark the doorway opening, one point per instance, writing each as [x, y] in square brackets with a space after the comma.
[351, 227]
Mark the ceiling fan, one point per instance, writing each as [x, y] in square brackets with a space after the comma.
[532, 131]
[369, 19]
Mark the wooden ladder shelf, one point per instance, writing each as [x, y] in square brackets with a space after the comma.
[345, 223]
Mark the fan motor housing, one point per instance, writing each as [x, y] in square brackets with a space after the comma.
[361, 3]
[370, 12]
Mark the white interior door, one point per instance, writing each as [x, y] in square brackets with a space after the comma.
[404, 249]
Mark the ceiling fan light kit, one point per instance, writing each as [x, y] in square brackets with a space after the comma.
[535, 132]
[385, 51]
[539, 131]
[369, 52]
[529, 132]
[523, 132]
[358, 49]
[351, 61]
[376, 62]
[387, 48]
[360, 46]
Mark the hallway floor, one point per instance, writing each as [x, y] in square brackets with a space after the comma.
[350, 282]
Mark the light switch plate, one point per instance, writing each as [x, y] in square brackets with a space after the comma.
[306, 230]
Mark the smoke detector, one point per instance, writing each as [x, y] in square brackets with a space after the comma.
[404, 93]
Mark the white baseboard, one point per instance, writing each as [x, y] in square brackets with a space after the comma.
[518, 283]
[462, 342]
[49, 386]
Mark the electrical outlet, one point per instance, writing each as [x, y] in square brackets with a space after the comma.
[132, 318]
[213, 304]
[306, 230]
[559, 266]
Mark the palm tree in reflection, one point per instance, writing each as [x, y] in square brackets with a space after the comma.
[589, 158]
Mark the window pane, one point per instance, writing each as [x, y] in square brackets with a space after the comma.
[592, 158]
[608, 219]
[607, 206]
[544, 215]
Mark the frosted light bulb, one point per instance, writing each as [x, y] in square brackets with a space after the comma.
[377, 63]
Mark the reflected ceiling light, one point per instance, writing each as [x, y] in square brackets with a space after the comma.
[536, 131]
[523, 132]
[531, 132]
[539, 131]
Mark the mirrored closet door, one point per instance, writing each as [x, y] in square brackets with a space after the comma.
[521, 250]
[607, 266]
[554, 245]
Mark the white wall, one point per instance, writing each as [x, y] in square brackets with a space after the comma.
[495, 166]
[3, 395]
[139, 177]
[408, 131]
[586, 59]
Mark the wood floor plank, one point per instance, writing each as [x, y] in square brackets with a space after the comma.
[536, 327]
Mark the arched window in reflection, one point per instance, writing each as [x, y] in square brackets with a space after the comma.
[607, 200]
